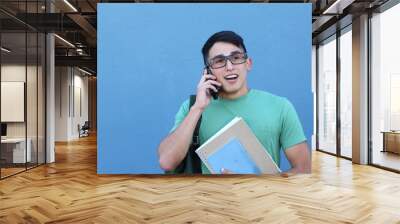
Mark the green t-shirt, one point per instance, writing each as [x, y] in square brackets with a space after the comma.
[272, 119]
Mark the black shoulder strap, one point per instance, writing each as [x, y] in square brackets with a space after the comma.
[193, 161]
[196, 140]
[191, 164]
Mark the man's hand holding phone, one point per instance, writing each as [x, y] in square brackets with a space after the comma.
[207, 84]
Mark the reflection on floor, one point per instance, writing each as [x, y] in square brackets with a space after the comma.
[11, 169]
[386, 159]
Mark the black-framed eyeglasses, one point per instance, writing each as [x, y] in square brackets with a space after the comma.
[235, 58]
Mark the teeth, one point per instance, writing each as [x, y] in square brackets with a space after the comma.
[231, 76]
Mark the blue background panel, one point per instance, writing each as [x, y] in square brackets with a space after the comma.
[149, 62]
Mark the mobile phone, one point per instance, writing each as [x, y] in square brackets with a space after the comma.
[212, 92]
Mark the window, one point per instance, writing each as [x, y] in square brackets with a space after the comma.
[22, 65]
[385, 88]
[346, 92]
[327, 95]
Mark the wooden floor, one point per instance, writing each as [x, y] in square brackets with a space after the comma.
[9, 171]
[70, 191]
[5, 172]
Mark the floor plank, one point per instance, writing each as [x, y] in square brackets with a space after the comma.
[70, 191]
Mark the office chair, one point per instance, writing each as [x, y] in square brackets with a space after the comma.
[84, 130]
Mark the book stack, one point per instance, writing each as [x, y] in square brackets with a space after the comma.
[236, 149]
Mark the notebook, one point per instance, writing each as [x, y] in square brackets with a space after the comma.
[237, 149]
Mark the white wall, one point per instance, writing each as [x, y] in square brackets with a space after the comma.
[62, 81]
[81, 103]
[13, 73]
[71, 102]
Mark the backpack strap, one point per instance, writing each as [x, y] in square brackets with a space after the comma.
[193, 161]
[191, 164]
[196, 139]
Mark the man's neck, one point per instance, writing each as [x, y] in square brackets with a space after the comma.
[235, 95]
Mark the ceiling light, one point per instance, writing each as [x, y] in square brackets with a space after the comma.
[65, 41]
[5, 50]
[84, 71]
[338, 6]
[70, 5]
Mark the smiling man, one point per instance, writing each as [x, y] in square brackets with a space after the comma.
[273, 119]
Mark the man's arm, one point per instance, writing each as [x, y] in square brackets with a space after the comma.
[299, 157]
[172, 150]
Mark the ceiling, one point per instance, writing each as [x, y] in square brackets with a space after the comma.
[76, 22]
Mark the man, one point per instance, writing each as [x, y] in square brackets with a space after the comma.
[273, 119]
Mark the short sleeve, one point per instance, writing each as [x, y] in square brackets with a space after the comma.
[180, 116]
[292, 131]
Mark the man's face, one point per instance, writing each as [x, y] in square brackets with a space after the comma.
[232, 76]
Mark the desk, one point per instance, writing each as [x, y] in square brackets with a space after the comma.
[391, 141]
[13, 150]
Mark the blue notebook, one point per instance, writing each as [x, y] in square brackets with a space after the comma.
[234, 157]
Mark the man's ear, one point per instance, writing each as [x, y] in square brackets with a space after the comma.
[249, 64]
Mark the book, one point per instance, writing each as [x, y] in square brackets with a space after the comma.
[237, 149]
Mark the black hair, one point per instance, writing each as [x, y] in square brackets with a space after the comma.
[222, 36]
